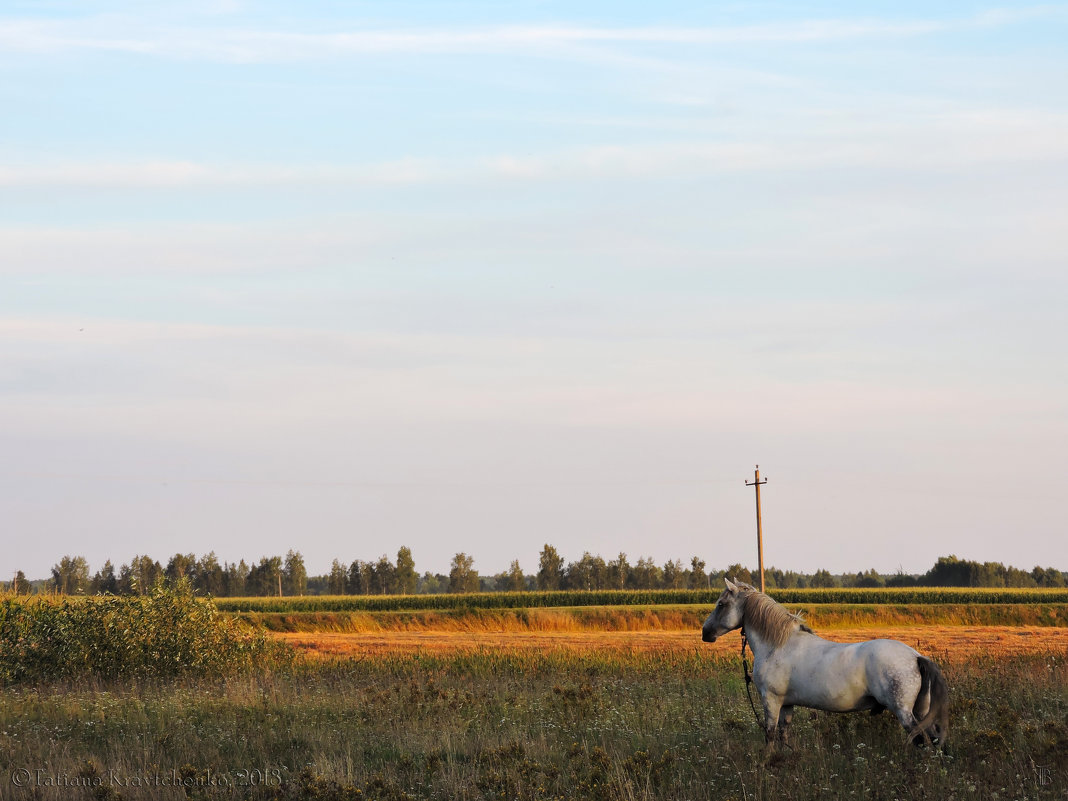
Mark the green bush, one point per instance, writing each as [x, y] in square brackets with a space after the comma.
[167, 633]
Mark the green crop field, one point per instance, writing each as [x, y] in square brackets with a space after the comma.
[528, 600]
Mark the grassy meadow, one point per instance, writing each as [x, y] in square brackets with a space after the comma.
[527, 726]
[257, 722]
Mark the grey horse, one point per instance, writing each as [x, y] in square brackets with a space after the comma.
[792, 666]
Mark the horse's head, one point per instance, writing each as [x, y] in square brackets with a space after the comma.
[727, 616]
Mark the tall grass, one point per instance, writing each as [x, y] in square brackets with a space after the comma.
[167, 633]
[533, 726]
[649, 618]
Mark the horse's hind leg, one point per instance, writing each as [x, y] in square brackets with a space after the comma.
[908, 720]
[785, 716]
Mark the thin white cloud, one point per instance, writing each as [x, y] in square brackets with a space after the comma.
[118, 34]
[192, 249]
[127, 372]
[947, 141]
[173, 174]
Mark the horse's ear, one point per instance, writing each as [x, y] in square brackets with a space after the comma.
[731, 586]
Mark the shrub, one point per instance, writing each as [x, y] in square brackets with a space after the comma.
[167, 633]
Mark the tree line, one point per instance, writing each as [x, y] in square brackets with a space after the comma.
[276, 575]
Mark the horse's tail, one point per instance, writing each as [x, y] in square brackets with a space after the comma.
[935, 724]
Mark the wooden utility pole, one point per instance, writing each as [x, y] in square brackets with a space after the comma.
[756, 482]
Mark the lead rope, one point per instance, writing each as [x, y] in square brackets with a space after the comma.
[749, 679]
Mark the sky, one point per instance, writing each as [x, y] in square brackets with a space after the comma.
[461, 276]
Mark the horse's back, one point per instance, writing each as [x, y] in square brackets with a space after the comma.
[844, 677]
[884, 649]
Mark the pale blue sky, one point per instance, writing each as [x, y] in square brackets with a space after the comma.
[480, 276]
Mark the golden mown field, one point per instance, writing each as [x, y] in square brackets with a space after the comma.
[935, 640]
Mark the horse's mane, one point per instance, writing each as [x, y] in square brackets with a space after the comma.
[771, 621]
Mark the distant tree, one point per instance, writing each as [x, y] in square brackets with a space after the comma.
[618, 572]
[384, 576]
[265, 578]
[869, 578]
[1047, 577]
[378, 576]
[588, 573]
[254, 583]
[952, 571]
[698, 576]
[407, 580]
[125, 582]
[210, 579]
[517, 582]
[773, 577]
[646, 574]
[1014, 577]
[235, 579]
[575, 575]
[104, 581]
[462, 576]
[357, 580]
[550, 569]
[319, 585]
[336, 580]
[70, 575]
[673, 577]
[180, 566]
[598, 570]
[822, 578]
[949, 571]
[20, 586]
[900, 579]
[738, 573]
[294, 574]
[792, 580]
[433, 584]
[141, 575]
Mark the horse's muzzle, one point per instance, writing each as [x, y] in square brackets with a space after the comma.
[708, 636]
